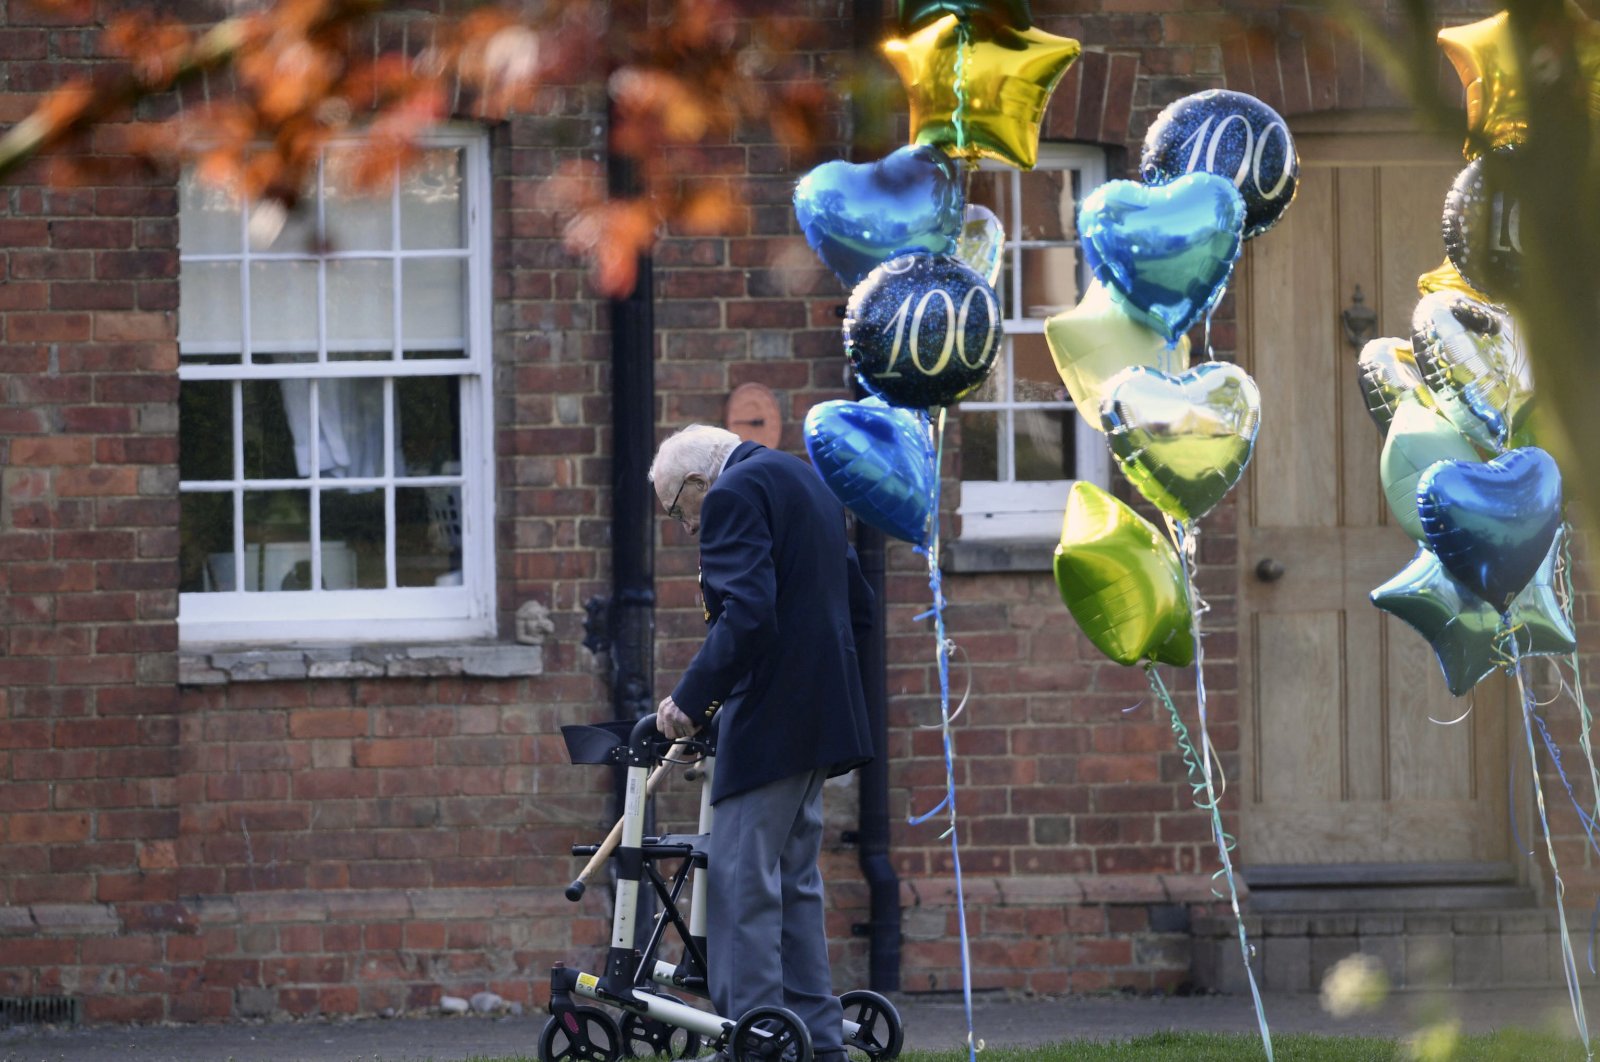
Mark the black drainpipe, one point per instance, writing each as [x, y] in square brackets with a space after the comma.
[883, 925]
[633, 421]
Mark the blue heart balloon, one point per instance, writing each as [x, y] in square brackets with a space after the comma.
[875, 458]
[1492, 524]
[1165, 253]
[856, 216]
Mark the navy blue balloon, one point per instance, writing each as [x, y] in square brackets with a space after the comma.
[877, 461]
[1164, 253]
[856, 216]
[922, 330]
[1492, 524]
[1231, 135]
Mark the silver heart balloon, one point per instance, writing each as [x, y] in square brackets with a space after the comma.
[1387, 372]
[982, 243]
[1471, 361]
[1183, 440]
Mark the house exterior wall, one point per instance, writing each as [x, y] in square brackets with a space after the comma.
[179, 841]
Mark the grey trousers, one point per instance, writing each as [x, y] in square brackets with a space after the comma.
[766, 942]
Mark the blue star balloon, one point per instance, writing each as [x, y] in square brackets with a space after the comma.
[922, 330]
[1492, 524]
[856, 216]
[875, 458]
[1166, 253]
[1233, 136]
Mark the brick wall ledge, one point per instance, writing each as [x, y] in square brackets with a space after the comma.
[200, 665]
[1115, 889]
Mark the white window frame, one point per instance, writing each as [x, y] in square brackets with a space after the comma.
[1006, 508]
[369, 615]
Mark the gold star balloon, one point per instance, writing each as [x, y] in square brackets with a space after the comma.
[1448, 278]
[979, 89]
[1485, 57]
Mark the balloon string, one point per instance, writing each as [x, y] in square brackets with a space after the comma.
[1569, 964]
[1200, 781]
[958, 117]
[935, 453]
[1554, 752]
[1565, 596]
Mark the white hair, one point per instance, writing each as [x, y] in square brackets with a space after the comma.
[699, 448]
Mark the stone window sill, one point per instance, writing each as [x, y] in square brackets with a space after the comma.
[971, 556]
[215, 665]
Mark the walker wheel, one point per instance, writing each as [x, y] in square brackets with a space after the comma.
[646, 1037]
[582, 1034]
[770, 1034]
[881, 1033]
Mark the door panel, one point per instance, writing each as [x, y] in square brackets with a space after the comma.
[1344, 762]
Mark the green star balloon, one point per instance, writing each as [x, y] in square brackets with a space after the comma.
[914, 14]
[1463, 628]
[1123, 581]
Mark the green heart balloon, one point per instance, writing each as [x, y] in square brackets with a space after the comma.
[1122, 581]
[1183, 440]
[1418, 437]
[1095, 340]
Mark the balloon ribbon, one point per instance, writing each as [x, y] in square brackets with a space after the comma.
[935, 453]
[1569, 964]
[1200, 763]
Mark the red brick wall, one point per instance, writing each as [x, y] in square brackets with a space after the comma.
[343, 846]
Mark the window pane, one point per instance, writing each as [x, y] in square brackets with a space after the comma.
[432, 300]
[353, 540]
[283, 303]
[430, 202]
[205, 559]
[1049, 280]
[205, 430]
[992, 188]
[356, 221]
[277, 537]
[277, 429]
[209, 219]
[350, 435]
[208, 303]
[361, 300]
[1044, 443]
[980, 444]
[428, 417]
[1035, 370]
[1048, 205]
[276, 230]
[427, 536]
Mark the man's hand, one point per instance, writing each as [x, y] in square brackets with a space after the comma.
[671, 721]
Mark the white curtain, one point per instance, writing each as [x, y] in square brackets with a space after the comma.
[350, 428]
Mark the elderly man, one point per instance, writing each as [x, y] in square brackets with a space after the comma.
[778, 676]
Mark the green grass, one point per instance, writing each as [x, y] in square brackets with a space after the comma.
[1506, 1046]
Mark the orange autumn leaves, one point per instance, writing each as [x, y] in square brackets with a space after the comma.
[265, 92]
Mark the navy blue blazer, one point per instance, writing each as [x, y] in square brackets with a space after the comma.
[785, 601]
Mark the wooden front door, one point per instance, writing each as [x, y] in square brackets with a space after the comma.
[1342, 765]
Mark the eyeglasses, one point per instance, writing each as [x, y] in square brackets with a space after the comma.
[673, 511]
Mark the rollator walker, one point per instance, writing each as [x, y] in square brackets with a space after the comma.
[654, 1022]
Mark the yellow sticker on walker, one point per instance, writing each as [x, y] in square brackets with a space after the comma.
[588, 980]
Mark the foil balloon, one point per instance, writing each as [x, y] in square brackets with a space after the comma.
[1466, 634]
[922, 330]
[1491, 525]
[1166, 252]
[857, 216]
[1447, 278]
[1387, 372]
[1230, 135]
[1014, 13]
[876, 460]
[1417, 439]
[982, 243]
[1482, 230]
[1485, 58]
[1470, 359]
[1122, 581]
[1185, 440]
[1096, 340]
[979, 88]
